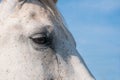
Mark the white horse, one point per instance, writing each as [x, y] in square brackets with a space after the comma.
[35, 44]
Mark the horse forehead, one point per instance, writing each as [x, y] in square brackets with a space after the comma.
[27, 11]
[34, 11]
[30, 14]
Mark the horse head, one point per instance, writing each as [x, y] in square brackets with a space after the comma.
[35, 43]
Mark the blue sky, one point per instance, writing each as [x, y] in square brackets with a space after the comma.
[95, 25]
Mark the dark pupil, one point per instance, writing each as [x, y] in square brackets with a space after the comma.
[41, 40]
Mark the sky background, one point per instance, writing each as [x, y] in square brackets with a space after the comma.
[95, 25]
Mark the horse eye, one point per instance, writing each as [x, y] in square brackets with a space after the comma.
[39, 39]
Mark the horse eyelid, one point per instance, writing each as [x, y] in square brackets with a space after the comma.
[41, 38]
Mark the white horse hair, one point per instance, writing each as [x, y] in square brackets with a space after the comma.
[35, 43]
